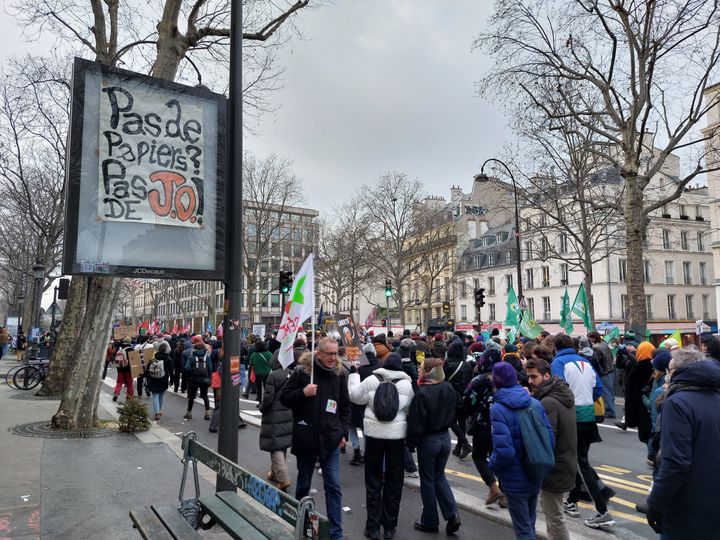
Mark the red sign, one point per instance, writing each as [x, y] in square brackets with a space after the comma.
[234, 365]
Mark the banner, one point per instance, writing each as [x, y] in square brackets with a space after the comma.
[350, 339]
[581, 308]
[529, 327]
[300, 307]
[566, 322]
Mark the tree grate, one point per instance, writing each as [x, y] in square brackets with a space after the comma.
[44, 430]
[33, 396]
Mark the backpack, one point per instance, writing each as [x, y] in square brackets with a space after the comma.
[539, 458]
[199, 370]
[386, 401]
[156, 369]
[482, 400]
[121, 359]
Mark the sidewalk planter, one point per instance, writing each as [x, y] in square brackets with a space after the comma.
[134, 417]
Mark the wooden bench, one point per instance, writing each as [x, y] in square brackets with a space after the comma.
[237, 514]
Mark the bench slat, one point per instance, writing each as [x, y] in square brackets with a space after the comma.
[175, 523]
[270, 527]
[149, 525]
[233, 523]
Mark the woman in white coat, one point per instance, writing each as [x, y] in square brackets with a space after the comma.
[384, 431]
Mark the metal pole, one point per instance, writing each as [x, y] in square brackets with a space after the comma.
[51, 345]
[387, 308]
[229, 394]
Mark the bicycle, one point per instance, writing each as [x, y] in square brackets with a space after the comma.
[29, 376]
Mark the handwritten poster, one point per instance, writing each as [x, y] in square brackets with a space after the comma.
[151, 165]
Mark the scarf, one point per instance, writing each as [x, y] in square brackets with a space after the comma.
[435, 375]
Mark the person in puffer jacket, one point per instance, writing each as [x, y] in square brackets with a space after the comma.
[384, 444]
[506, 459]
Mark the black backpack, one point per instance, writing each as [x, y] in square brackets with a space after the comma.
[199, 370]
[386, 402]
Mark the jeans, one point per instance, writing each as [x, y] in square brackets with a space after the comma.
[192, 392]
[383, 491]
[157, 398]
[353, 437]
[482, 448]
[608, 393]
[124, 377]
[243, 376]
[433, 452]
[331, 482]
[522, 508]
[409, 461]
[552, 507]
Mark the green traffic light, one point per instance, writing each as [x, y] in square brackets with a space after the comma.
[388, 292]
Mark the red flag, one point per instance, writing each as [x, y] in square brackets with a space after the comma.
[175, 328]
[370, 321]
[188, 328]
[219, 330]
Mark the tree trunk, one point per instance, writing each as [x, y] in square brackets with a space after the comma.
[64, 353]
[78, 408]
[636, 223]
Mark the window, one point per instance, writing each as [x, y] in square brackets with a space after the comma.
[666, 238]
[705, 306]
[446, 287]
[529, 281]
[648, 306]
[543, 220]
[275, 300]
[703, 273]
[508, 257]
[665, 212]
[671, 306]
[562, 243]
[544, 248]
[491, 259]
[684, 244]
[564, 274]
[491, 285]
[687, 273]
[646, 271]
[624, 306]
[531, 306]
[463, 312]
[622, 270]
[528, 251]
[669, 273]
[546, 308]
[700, 241]
[683, 213]
[492, 312]
[545, 276]
[463, 289]
[508, 281]
[689, 301]
[476, 283]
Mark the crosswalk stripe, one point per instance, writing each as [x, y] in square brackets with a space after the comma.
[645, 487]
[612, 469]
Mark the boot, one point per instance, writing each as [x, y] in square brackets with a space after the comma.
[157, 417]
[457, 449]
[494, 496]
[208, 414]
[357, 457]
[282, 486]
[115, 397]
[188, 416]
[466, 450]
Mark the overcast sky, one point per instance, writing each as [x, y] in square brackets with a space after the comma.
[376, 85]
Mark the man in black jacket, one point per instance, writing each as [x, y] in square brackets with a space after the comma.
[321, 416]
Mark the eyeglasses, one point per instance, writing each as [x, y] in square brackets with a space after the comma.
[328, 353]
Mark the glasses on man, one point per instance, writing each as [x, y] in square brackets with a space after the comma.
[328, 353]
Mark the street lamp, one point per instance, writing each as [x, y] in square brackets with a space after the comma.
[482, 177]
[39, 276]
[20, 302]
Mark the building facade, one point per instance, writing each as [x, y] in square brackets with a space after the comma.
[712, 159]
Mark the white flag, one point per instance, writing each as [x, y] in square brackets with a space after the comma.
[299, 308]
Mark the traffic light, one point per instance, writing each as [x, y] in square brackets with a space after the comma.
[383, 322]
[480, 297]
[446, 308]
[388, 288]
[286, 281]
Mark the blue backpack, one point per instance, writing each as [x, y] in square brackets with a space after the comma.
[539, 458]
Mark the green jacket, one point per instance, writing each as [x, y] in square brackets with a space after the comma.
[260, 362]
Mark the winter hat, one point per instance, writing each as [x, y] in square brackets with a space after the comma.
[456, 350]
[423, 335]
[492, 344]
[583, 342]
[489, 359]
[414, 335]
[196, 339]
[479, 338]
[587, 352]
[126, 341]
[671, 344]
[477, 346]
[504, 375]
[380, 338]
[644, 351]
[511, 348]
[407, 343]
[438, 337]
[393, 362]
[661, 360]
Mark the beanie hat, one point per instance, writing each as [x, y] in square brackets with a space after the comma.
[126, 341]
[504, 375]
[477, 346]
[438, 337]
[393, 362]
[407, 343]
[511, 348]
[196, 339]
[671, 344]
[661, 360]
[456, 350]
[492, 344]
[644, 351]
[583, 342]
[479, 337]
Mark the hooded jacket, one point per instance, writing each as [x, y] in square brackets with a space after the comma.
[559, 403]
[277, 420]
[636, 413]
[584, 382]
[508, 449]
[363, 393]
[457, 371]
[321, 421]
[433, 410]
[685, 487]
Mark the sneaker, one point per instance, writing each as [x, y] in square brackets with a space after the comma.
[622, 425]
[465, 451]
[600, 521]
[357, 457]
[412, 474]
[188, 416]
[115, 398]
[458, 448]
[571, 509]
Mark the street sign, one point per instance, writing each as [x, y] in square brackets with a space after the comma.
[698, 327]
[244, 316]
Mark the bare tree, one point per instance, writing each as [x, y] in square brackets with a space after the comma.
[270, 189]
[613, 68]
[388, 207]
[109, 30]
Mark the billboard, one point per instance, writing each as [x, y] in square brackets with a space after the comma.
[145, 189]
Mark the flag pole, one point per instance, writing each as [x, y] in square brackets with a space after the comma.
[312, 348]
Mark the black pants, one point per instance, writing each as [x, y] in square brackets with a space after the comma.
[192, 392]
[586, 475]
[140, 381]
[260, 384]
[179, 373]
[383, 496]
[459, 427]
[482, 448]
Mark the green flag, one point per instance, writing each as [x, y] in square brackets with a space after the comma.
[529, 327]
[565, 317]
[581, 308]
[512, 318]
[612, 334]
[512, 333]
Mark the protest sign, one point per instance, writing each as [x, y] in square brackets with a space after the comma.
[350, 339]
